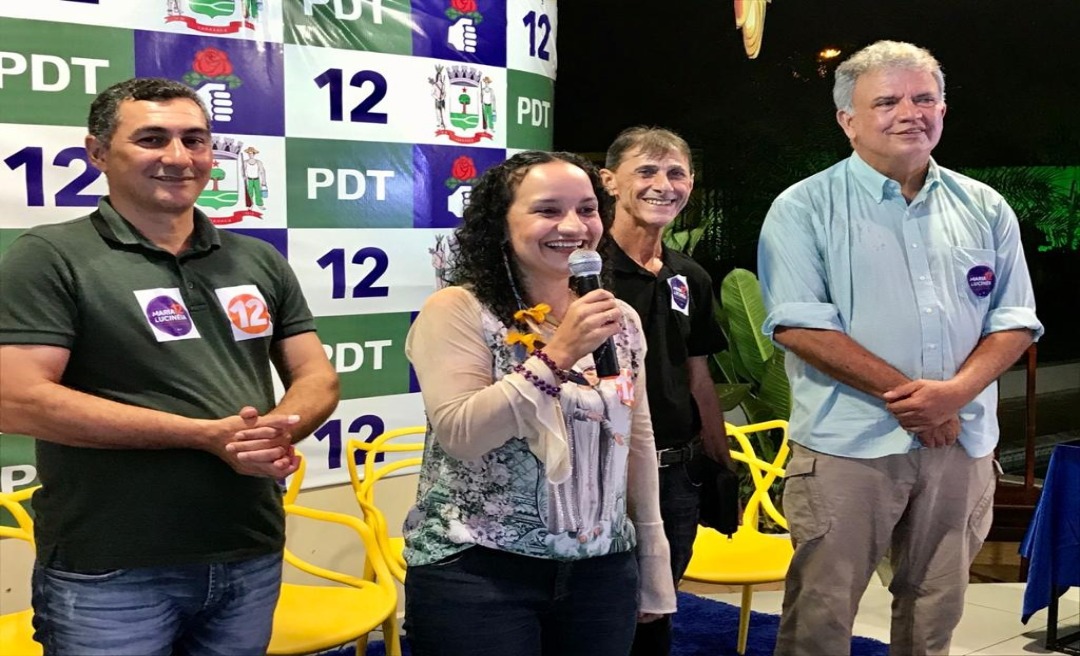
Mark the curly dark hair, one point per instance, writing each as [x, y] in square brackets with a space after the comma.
[477, 254]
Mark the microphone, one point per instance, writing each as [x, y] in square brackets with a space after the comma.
[585, 266]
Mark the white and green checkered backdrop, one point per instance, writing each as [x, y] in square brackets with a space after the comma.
[347, 134]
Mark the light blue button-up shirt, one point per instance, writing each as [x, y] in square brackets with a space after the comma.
[916, 284]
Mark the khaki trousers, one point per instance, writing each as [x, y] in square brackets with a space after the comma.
[930, 509]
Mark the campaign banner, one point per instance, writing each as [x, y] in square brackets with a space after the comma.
[347, 133]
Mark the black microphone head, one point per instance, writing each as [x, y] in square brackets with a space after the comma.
[584, 262]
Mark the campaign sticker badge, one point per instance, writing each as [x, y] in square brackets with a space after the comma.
[247, 311]
[980, 280]
[166, 314]
[680, 294]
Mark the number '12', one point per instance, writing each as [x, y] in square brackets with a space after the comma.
[33, 158]
[533, 23]
[362, 113]
[335, 259]
[331, 430]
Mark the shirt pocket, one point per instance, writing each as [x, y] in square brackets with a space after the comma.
[803, 502]
[975, 275]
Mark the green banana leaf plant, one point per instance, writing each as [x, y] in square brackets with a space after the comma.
[752, 367]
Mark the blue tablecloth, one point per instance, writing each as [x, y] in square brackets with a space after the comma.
[1052, 543]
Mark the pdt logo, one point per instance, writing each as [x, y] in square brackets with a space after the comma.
[462, 178]
[680, 294]
[166, 314]
[980, 280]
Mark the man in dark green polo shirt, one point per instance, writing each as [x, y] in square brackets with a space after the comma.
[135, 345]
[650, 175]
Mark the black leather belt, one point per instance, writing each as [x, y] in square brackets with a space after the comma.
[676, 455]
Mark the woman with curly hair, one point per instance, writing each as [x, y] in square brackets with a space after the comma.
[502, 561]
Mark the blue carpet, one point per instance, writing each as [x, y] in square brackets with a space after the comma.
[704, 627]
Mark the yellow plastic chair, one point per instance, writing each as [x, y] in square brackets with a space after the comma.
[314, 618]
[16, 630]
[749, 557]
[364, 488]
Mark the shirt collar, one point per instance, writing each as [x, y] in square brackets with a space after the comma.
[114, 227]
[881, 187]
[623, 263]
[933, 178]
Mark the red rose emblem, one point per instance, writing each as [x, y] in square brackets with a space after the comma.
[212, 62]
[463, 169]
[464, 6]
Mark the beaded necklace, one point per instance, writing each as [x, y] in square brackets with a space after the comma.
[533, 341]
[539, 314]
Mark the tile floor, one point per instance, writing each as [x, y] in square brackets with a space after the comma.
[990, 626]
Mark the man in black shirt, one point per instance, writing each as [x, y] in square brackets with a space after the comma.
[650, 175]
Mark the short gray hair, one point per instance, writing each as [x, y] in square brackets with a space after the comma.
[882, 54]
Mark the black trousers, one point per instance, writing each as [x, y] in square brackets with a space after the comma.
[680, 504]
[484, 602]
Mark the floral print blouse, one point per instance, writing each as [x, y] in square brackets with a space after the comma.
[511, 468]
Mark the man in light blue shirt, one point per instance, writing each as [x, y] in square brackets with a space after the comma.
[900, 292]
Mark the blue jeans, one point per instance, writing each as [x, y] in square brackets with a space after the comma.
[484, 602]
[680, 505]
[224, 608]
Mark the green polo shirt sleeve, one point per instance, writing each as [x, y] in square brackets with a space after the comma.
[37, 294]
[293, 315]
